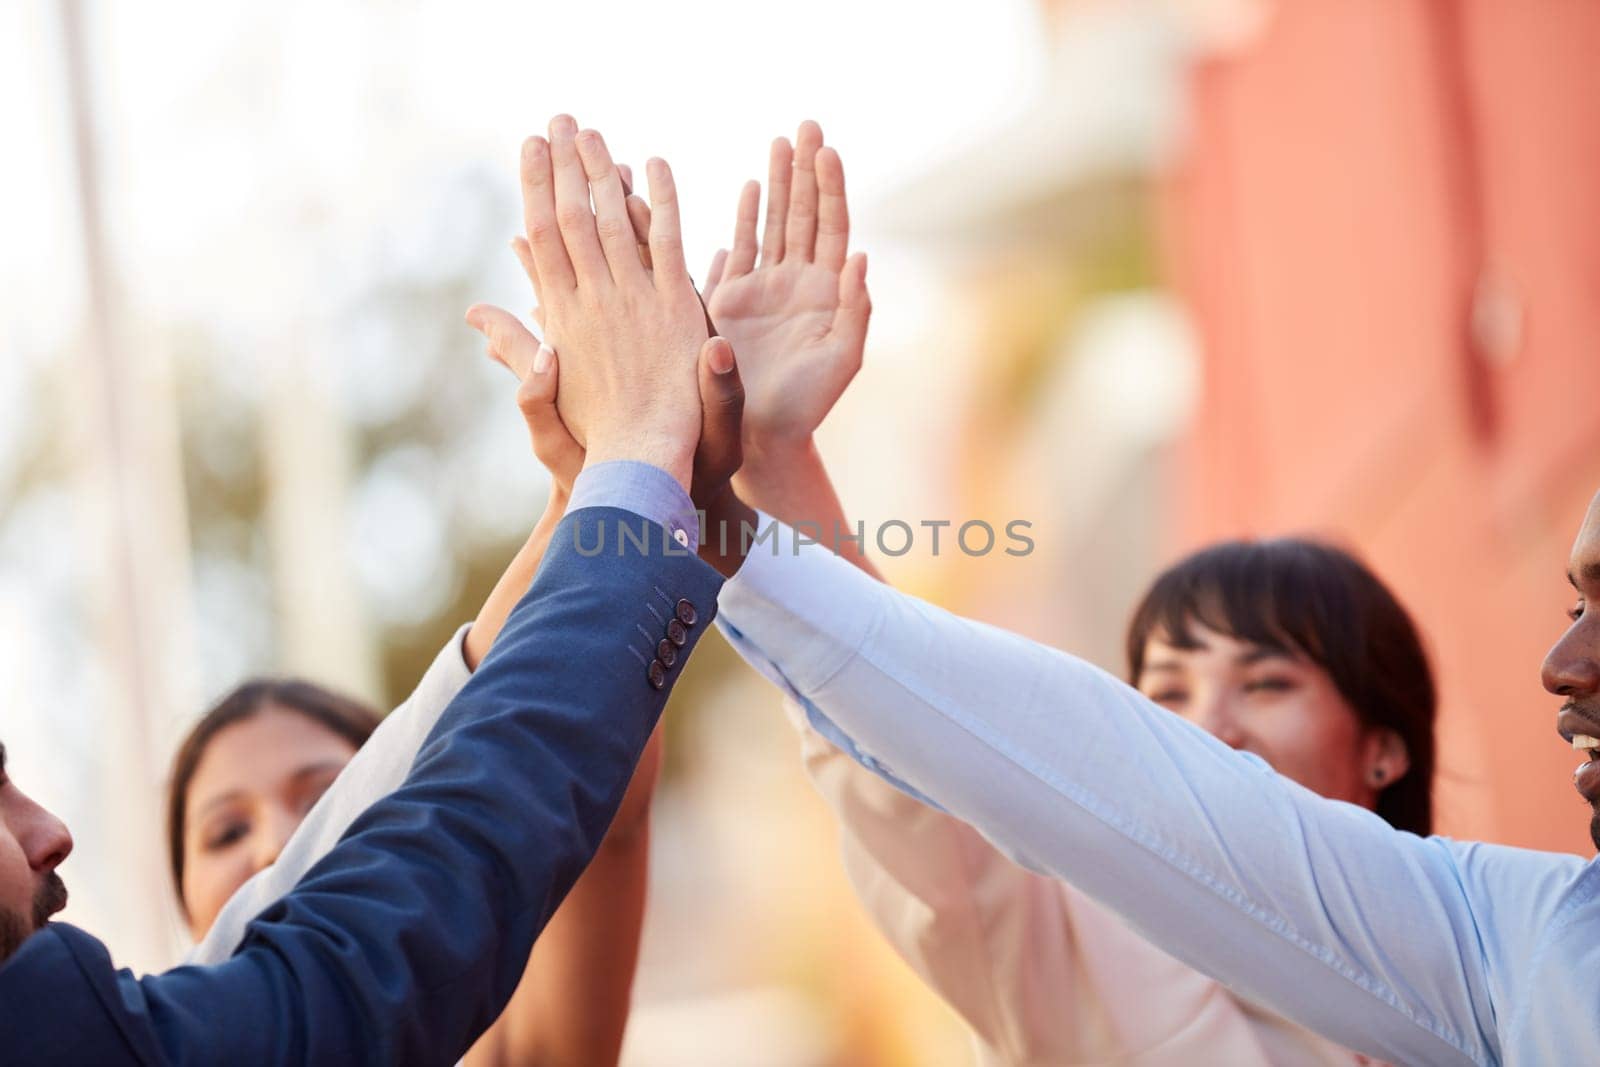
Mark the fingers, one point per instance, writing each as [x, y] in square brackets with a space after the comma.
[510, 343]
[553, 443]
[722, 406]
[666, 235]
[742, 260]
[539, 216]
[573, 215]
[714, 274]
[639, 216]
[524, 253]
[779, 165]
[855, 306]
[611, 220]
[800, 232]
[833, 214]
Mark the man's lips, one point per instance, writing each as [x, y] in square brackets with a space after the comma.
[1572, 722]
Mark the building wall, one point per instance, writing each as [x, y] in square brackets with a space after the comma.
[1384, 224]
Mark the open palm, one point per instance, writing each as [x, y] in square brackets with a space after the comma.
[798, 318]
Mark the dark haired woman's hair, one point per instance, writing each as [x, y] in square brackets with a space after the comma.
[1299, 596]
[342, 715]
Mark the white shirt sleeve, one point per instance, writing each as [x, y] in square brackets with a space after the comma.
[375, 771]
[1317, 909]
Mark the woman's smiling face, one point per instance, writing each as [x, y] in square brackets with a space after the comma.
[1274, 703]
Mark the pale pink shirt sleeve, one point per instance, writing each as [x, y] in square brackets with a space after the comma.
[1040, 974]
[992, 940]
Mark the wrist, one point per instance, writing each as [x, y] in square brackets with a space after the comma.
[555, 507]
[660, 451]
[773, 464]
[729, 524]
[770, 451]
[784, 478]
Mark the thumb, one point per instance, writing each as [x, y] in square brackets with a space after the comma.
[510, 343]
[722, 407]
[855, 306]
[553, 443]
[714, 274]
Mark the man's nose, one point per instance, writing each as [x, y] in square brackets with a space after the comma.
[1572, 667]
[45, 838]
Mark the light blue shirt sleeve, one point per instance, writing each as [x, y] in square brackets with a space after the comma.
[642, 489]
[1317, 909]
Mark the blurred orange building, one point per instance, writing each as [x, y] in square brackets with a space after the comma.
[1385, 225]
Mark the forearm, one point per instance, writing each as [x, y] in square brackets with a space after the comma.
[514, 582]
[409, 938]
[789, 481]
[1307, 905]
[571, 1008]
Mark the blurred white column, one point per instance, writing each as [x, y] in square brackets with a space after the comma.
[323, 633]
[131, 494]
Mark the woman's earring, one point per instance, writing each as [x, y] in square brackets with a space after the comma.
[1379, 775]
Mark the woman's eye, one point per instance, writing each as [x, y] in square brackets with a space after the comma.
[225, 835]
[1169, 696]
[1269, 685]
[309, 800]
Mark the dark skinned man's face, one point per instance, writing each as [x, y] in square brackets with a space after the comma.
[1572, 669]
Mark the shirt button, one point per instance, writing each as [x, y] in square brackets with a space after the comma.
[667, 653]
[676, 633]
[681, 536]
[686, 613]
[657, 674]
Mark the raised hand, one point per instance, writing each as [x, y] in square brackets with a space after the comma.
[630, 338]
[535, 365]
[514, 347]
[538, 371]
[798, 316]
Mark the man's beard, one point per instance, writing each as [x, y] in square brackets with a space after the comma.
[15, 928]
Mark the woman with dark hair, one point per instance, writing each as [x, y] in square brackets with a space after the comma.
[1331, 683]
[250, 772]
[1288, 649]
[245, 776]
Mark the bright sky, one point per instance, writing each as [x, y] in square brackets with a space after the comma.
[232, 134]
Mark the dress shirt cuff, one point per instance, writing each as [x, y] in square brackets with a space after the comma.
[642, 489]
[784, 576]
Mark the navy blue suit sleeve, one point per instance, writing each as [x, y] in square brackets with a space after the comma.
[408, 939]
